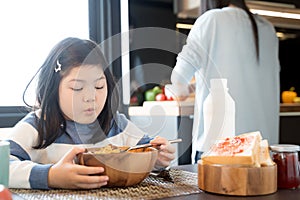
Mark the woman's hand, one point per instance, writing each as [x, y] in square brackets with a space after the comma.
[178, 92]
[66, 174]
[166, 152]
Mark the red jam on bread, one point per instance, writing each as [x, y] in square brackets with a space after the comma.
[245, 149]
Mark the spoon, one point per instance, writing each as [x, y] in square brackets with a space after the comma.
[150, 145]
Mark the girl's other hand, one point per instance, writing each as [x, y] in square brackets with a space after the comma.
[166, 152]
[68, 175]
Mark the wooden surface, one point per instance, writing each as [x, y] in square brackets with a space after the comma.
[237, 180]
[290, 107]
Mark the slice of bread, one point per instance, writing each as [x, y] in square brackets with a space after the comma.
[243, 149]
[265, 158]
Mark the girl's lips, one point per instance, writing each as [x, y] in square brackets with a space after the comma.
[89, 111]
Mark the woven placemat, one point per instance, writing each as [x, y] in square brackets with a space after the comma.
[151, 188]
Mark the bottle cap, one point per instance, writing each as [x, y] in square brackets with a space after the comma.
[285, 148]
[218, 83]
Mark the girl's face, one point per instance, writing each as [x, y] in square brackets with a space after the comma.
[83, 93]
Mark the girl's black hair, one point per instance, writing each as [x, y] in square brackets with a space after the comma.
[212, 4]
[69, 53]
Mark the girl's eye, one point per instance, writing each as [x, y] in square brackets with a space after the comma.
[76, 86]
[76, 89]
[99, 88]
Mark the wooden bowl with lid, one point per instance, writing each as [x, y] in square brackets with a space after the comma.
[123, 168]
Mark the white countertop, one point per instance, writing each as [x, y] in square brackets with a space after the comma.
[166, 108]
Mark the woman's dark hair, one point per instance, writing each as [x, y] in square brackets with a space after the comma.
[212, 4]
[69, 53]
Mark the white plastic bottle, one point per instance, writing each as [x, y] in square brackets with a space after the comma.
[218, 113]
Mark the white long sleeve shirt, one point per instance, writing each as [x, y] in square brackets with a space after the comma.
[29, 167]
[221, 45]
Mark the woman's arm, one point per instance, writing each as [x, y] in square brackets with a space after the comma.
[193, 57]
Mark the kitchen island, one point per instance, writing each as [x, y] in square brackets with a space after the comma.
[169, 119]
[289, 123]
[173, 119]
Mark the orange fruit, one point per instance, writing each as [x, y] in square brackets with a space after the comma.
[288, 96]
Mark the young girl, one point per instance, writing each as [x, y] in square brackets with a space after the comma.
[76, 101]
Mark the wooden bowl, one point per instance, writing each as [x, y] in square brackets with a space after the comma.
[123, 169]
[237, 180]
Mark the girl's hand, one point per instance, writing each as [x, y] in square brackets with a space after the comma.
[166, 152]
[66, 174]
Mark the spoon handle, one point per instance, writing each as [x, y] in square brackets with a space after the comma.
[175, 140]
[150, 145]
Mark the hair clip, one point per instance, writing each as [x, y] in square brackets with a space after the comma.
[58, 66]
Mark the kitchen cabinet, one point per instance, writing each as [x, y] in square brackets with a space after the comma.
[289, 124]
[169, 119]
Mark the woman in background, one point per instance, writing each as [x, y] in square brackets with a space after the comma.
[228, 41]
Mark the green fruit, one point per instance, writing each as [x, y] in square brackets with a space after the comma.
[157, 90]
[150, 95]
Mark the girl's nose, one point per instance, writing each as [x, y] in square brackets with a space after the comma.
[88, 99]
[89, 96]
